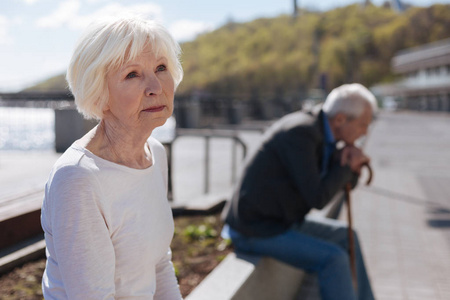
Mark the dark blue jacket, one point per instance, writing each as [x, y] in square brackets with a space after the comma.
[281, 182]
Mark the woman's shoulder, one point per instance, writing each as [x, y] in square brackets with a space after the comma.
[72, 176]
[72, 164]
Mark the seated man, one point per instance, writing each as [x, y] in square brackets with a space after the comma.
[296, 168]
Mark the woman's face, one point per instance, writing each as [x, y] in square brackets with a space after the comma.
[141, 93]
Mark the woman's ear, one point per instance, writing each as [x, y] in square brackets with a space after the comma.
[106, 106]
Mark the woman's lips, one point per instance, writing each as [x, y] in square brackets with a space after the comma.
[155, 108]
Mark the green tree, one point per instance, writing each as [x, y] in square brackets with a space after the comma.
[268, 57]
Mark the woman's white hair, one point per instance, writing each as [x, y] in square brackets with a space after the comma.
[108, 44]
[349, 99]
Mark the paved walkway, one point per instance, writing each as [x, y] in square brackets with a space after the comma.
[403, 218]
[24, 171]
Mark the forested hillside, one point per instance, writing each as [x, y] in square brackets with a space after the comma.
[315, 50]
[349, 44]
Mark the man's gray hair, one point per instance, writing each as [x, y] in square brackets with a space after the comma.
[349, 99]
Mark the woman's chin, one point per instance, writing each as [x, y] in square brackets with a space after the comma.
[157, 122]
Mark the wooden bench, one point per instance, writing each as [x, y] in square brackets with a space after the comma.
[21, 235]
[20, 217]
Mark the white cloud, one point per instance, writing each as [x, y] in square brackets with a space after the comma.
[63, 15]
[17, 20]
[185, 30]
[95, 1]
[68, 14]
[5, 38]
[148, 10]
[29, 2]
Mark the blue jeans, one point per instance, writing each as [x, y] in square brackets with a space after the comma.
[317, 245]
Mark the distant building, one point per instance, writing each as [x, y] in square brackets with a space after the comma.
[425, 83]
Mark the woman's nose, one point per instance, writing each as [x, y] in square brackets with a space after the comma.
[153, 86]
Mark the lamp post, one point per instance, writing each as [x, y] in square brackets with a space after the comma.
[295, 9]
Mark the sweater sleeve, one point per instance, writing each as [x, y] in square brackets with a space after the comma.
[166, 282]
[82, 246]
[300, 158]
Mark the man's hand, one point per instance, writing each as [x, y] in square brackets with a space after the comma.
[354, 158]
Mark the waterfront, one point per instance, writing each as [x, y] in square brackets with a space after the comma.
[23, 128]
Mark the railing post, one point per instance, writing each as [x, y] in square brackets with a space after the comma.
[233, 160]
[168, 147]
[207, 146]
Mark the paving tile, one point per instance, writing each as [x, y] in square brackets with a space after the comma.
[388, 293]
[400, 217]
[421, 293]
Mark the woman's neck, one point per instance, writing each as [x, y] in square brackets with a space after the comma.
[118, 144]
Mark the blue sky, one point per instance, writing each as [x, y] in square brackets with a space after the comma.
[37, 36]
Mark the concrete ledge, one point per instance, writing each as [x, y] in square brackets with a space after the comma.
[225, 280]
[247, 277]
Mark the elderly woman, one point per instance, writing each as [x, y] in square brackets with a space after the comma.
[107, 221]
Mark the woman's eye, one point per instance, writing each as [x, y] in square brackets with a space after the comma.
[161, 68]
[132, 75]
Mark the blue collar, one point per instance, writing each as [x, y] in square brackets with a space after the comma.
[329, 137]
[329, 145]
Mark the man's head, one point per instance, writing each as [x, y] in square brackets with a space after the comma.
[349, 109]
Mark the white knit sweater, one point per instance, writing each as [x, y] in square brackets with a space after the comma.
[108, 229]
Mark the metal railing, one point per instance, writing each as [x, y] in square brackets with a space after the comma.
[208, 134]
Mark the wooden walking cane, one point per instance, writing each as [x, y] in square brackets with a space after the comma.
[351, 242]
